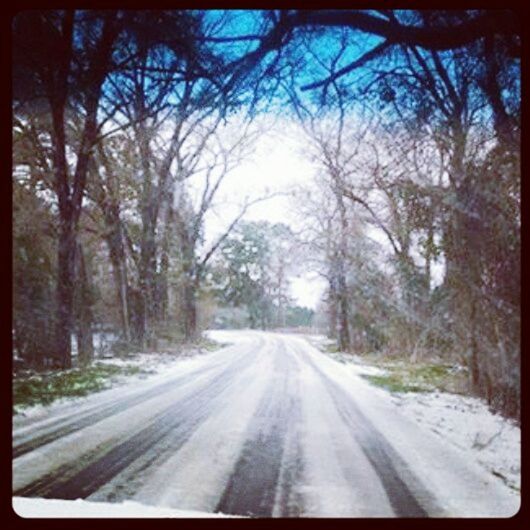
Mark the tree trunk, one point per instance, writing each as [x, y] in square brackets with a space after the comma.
[136, 316]
[162, 301]
[504, 127]
[70, 196]
[147, 268]
[190, 310]
[344, 325]
[148, 285]
[344, 328]
[85, 344]
[117, 257]
[281, 299]
[162, 297]
[65, 295]
[58, 89]
[332, 311]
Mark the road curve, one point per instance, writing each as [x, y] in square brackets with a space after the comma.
[267, 427]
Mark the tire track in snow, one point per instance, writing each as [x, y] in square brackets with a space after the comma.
[82, 478]
[269, 467]
[407, 495]
[262, 479]
[63, 426]
[130, 482]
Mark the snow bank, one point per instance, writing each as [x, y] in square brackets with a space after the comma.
[454, 452]
[51, 508]
[230, 336]
[467, 423]
[455, 477]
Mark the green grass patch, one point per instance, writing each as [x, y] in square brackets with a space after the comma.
[326, 347]
[403, 375]
[44, 388]
[330, 348]
[172, 335]
[419, 377]
[393, 383]
[211, 345]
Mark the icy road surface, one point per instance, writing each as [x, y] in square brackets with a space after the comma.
[267, 427]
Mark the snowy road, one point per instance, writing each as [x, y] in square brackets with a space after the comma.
[266, 427]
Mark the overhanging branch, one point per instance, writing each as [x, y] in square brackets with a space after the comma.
[368, 56]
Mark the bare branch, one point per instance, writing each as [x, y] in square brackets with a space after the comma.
[368, 56]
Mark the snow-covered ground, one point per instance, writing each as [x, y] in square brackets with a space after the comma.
[467, 423]
[463, 421]
[59, 509]
[155, 367]
[268, 424]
